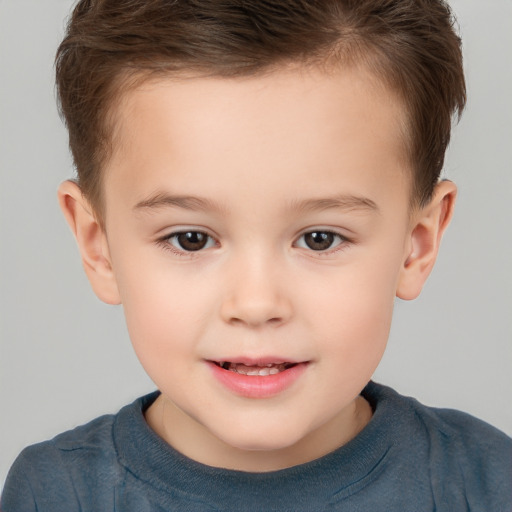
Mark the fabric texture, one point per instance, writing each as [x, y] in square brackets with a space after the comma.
[409, 458]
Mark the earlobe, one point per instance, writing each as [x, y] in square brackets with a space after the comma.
[427, 228]
[91, 241]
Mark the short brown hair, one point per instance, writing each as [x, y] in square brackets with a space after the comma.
[410, 45]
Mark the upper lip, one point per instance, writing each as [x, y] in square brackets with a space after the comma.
[259, 361]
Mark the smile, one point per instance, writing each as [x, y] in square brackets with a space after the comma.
[254, 370]
[257, 379]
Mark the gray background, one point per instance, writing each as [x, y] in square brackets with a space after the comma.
[66, 358]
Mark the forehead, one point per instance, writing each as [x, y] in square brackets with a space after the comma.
[273, 129]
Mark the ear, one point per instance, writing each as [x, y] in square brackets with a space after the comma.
[91, 240]
[427, 228]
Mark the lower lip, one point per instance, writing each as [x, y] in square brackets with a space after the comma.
[258, 386]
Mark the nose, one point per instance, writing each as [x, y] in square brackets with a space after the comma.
[256, 294]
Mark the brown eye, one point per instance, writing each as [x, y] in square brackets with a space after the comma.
[190, 240]
[320, 240]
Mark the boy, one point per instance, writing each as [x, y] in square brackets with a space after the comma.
[257, 182]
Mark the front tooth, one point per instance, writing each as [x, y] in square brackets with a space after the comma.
[264, 371]
[273, 371]
[253, 372]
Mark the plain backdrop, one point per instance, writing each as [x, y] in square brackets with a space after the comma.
[66, 357]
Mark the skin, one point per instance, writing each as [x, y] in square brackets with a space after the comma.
[272, 158]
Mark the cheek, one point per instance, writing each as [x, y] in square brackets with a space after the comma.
[164, 315]
[354, 316]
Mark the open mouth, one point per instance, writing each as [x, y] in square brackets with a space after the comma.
[255, 370]
[257, 378]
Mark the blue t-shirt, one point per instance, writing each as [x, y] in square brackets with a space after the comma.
[409, 458]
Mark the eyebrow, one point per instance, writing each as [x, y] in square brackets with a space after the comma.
[341, 202]
[163, 200]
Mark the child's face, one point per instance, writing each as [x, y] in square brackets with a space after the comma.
[294, 192]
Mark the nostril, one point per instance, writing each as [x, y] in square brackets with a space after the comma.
[258, 321]
[256, 309]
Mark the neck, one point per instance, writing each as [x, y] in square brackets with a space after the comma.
[195, 441]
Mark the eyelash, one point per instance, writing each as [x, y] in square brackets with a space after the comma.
[165, 242]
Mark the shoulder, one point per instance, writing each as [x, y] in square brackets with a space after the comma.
[90, 441]
[462, 449]
[481, 453]
[470, 439]
[78, 466]
[453, 425]
[44, 474]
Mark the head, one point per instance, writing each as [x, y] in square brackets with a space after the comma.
[110, 48]
[256, 183]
